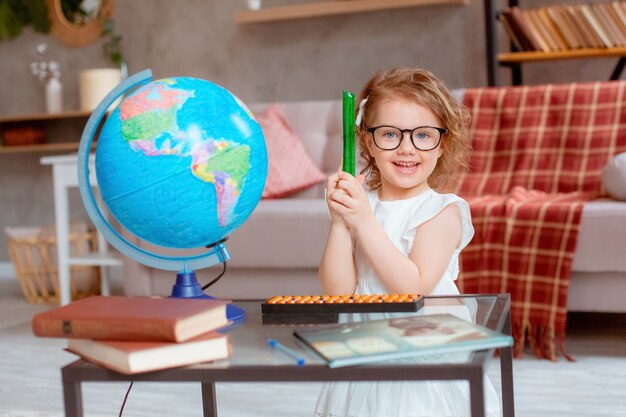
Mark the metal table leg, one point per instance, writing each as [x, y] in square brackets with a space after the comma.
[477, 394]
[506, 373]
[209, 400]
[73, 399]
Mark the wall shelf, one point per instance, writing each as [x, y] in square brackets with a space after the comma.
[330, 8]
[44, 147]
[62, 131]
[74, 114]
[570, 54]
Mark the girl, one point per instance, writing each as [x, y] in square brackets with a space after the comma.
[401, 236]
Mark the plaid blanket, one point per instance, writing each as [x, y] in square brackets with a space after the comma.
[538, 152]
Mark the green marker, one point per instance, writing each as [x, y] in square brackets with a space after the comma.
[349, 156]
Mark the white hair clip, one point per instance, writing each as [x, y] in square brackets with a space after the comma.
[359, 116]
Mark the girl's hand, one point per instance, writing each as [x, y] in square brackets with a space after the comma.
[331, 188]
[347, 200]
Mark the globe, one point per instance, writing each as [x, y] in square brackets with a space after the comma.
[180, 163]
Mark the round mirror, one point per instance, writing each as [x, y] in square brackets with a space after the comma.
[79, 23]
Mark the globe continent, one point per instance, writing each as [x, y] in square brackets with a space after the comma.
[181, 162]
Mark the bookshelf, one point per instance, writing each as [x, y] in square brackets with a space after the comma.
[516, 58]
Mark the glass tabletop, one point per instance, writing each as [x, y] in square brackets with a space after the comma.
[251, 348]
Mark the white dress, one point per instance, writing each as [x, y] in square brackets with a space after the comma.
[400, 220]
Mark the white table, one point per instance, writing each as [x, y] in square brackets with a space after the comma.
[65, 175]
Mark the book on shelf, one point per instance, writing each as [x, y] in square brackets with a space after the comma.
[132, 357]
[524, 42]
[517, 41]
[620, 12]
[521, 24]
[568, 20]
[613, 23]
[554, 31]
[536, 33]
[132, 318]
[543, 30]
[564, 26]
[598, 28]
[608, 22]
[586, 31]
[617, 19]
[363, 342]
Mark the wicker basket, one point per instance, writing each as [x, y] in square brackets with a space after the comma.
[34, 257]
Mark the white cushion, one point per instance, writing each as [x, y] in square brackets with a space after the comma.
[614, 177]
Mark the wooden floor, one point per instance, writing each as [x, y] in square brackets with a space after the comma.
[30, 384]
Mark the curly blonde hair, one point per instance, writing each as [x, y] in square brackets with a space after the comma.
[426, 90]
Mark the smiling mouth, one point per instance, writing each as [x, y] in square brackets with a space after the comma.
[406, 165]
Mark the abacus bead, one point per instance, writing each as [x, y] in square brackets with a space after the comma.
[274, 299]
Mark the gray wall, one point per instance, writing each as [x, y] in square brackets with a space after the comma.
[282, 61]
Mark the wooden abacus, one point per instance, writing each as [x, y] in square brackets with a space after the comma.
[292, 309]
[343, 299]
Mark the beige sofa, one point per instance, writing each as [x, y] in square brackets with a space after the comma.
[278, 249]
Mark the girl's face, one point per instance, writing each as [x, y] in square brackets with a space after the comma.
[404, 171]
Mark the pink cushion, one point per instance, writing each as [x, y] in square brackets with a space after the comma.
[290, 168]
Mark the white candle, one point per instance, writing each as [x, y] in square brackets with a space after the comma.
[95, 84]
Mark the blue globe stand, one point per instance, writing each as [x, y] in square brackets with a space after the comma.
[186, 285]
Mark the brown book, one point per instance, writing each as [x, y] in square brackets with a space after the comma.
[598, 28]
[136, 357]
[617, 16]
[524, 29]
[517, 42]
[607, 24]
[585, 27]
[620, 7]
[620, 30]
[514, 25]
[543, 30]
[132, 318]
[580, 26]
[620, 12]
[537, 34]
[563, 27]
[567, 21]
[556, 34]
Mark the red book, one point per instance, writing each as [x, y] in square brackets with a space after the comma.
[132, 318]
[137, 357]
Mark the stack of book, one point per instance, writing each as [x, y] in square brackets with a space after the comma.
[139, 334]
[564, 27]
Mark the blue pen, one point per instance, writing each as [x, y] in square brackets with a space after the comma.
[284, 349]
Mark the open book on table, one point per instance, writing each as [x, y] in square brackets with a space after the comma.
[404, 337]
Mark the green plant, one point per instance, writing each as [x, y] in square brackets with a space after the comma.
[112, 48]
[15, 14]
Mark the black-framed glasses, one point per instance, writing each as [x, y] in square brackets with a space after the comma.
[424, 138]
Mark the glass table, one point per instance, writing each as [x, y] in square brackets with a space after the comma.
[252, 360]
